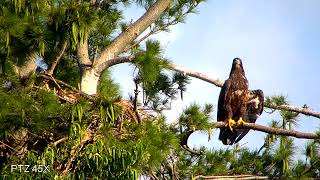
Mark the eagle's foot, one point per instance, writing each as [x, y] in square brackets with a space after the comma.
[230, 123]
[240, 121]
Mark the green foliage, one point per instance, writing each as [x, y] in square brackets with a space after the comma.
[277, 100]
[159, 87]
[108, 89]
[196, 118]
[38, 111]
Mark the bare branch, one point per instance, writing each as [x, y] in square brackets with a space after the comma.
[57, 58]
[8, 146]
[270, 130]
[89, 97]
[112, 62]
[197, 75]
[126, 37]
[305, 111]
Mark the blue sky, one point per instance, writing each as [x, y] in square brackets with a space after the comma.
[278, 42]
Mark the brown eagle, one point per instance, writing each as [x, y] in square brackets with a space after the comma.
[237, 104]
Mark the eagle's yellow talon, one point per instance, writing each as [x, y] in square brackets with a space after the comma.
[240, 121]
[230, 123]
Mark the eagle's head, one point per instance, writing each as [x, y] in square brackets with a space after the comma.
[237, 64]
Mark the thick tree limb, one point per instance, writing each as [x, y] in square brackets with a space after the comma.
[270, 130]
[57, 59]
[115, 61]
[126, 37]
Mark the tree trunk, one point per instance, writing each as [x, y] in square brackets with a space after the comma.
[89, 81]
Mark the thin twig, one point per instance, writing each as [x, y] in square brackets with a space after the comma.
[90, 97]
[57, 58]
[59, 141]
[8, 146]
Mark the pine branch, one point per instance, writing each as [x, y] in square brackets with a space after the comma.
[305, 111]
[270, 130]
[88, 138]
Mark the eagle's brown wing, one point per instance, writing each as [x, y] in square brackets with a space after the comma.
[254, 110]
[224, 112]
[224, 102]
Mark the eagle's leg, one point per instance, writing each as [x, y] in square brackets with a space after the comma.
[240, 121]
[230, 123]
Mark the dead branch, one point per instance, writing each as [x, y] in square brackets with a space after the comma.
[270, 130]
[305, 111]
[59, 141]
[48, 77]
[57, 58]
[8, 146]
[197, 75]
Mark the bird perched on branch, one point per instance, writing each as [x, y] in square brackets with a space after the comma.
[237, 104]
